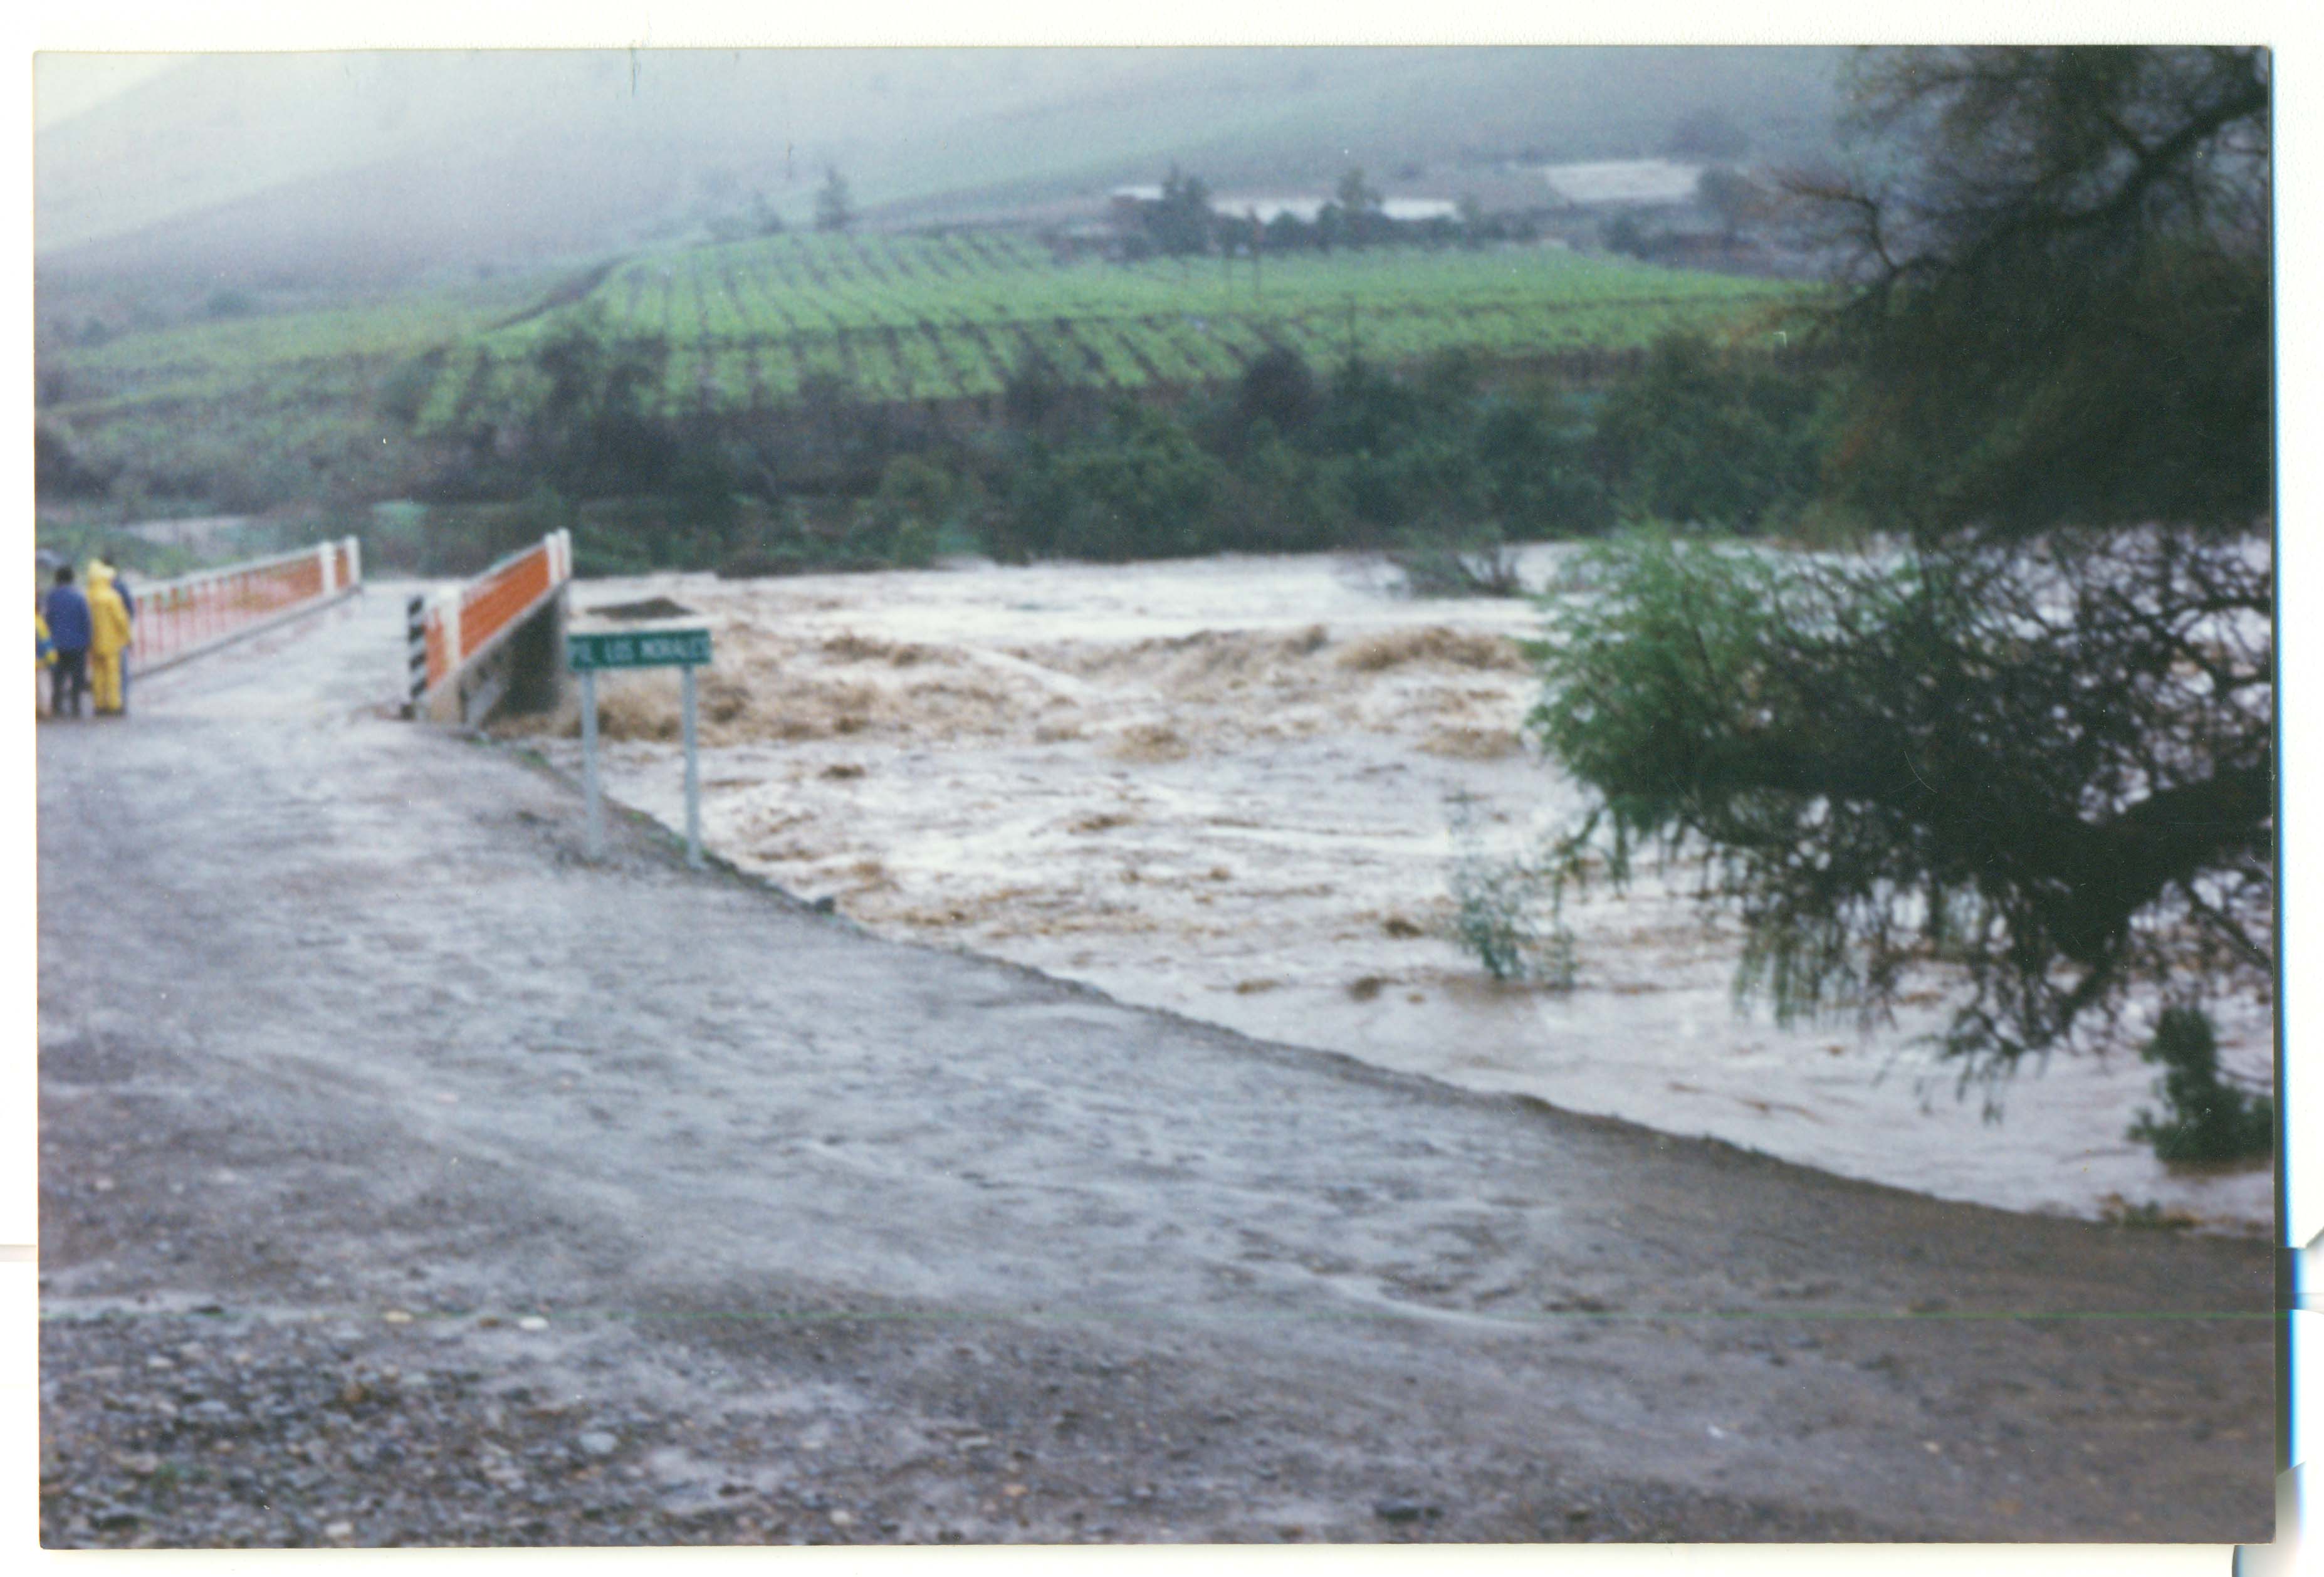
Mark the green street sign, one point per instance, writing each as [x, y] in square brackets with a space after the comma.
[637, 649]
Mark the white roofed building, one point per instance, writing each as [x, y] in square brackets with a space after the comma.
[1623, 183]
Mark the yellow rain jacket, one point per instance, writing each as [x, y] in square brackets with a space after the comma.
[108, 634]
[108, 616]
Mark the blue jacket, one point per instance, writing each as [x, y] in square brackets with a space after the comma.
[69, 618]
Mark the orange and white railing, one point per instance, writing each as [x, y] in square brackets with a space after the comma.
[455, 628]
[194, 614]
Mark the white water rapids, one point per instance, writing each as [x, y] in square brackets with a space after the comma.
[1225, 787]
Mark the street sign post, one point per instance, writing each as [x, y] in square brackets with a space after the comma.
[597, 649]
[589, 652]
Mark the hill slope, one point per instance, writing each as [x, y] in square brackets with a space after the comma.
[248, 411]
[301, 170]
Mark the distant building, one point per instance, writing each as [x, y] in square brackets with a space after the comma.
[1419, 210]
[1126, 205]
[1623, 183]
[1242, 206]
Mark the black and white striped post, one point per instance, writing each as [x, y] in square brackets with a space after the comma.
[415, 640]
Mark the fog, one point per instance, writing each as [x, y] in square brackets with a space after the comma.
[306, 169]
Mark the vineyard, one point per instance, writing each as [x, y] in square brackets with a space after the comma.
[247, 410]
[750, 326]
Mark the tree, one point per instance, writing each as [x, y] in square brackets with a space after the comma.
[1705, 437]
[2030, 739]
[1473, 220]
[592, 433]
[1276, 388]
[1286, 233]
[2062, 318]
[2203, 1120]
[1181, 223]
[1708, 133]
[1735, 198]
[1360, 206]
[1627, 235]
[835, 207]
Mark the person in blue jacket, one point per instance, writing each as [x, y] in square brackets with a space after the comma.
[70, 630]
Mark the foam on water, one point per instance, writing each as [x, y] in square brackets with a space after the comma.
[1223, 787]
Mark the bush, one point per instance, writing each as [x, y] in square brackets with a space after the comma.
[1707, 437]
[1433, 461]
[1534, 460]
[2203, 1120]
[918, 507]
[1442, 560]
[1495, 905]
[1142, 488]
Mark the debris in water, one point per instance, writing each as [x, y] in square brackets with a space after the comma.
[649, 608]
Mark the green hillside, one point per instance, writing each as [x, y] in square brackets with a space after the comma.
[243, 412]
[750, 325]
[349, 402]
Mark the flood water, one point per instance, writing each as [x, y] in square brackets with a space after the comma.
[1236, 789]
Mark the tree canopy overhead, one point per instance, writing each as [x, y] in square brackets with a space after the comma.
[2061, 307]
[2031, 740]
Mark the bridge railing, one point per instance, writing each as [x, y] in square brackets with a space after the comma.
[187, 616]
[455, 629]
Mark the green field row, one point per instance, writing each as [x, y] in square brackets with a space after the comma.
[750, 325]
[758, 324]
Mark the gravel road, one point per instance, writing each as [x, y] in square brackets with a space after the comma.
[407, 1179]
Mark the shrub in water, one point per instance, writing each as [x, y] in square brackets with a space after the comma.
[2202, 1119]
[1494, 904]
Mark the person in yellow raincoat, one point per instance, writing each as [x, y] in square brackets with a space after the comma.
[108, 619]
[45, 653]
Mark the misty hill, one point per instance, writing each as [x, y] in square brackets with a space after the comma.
[306, 172]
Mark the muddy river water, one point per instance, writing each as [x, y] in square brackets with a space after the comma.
[1237, 789]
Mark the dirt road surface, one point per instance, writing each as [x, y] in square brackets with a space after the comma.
[407, 1179]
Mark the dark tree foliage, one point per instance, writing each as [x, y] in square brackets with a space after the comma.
[1141, 488]
[1038, 398]
[1708, 133]
[2063, 314]
[1360, 207]
[2204, 1120]
[835, 204]
[1704, 437]
[59, 472]
[1534, 469]
[1181, 223]
[1278, 389]
[1284, 232]
[2053, 775]
[2031, 738]
[1628, 236]
[1734, 197]
[592, 433]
